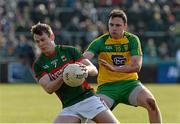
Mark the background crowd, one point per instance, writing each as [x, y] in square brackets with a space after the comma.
[77, 22]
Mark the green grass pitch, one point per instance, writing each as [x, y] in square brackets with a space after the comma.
[29, 103]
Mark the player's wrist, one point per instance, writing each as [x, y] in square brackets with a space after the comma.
[119, 68]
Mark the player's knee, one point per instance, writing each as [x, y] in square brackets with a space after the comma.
[151, 104]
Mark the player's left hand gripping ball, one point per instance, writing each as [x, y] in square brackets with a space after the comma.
[74, 75]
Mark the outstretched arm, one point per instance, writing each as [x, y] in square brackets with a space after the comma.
[135, 66]
[88, 55]
[92, 70]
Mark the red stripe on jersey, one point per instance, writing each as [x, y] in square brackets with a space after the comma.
[86, 85]
[80, 59]
[55, 73]
[44, 73]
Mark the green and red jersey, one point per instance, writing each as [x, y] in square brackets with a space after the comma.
[53, 67]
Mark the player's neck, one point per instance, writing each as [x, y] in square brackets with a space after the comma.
[118, 37]
[52, 51]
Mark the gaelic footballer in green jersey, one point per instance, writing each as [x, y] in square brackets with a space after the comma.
[53, 66]
[78, 102]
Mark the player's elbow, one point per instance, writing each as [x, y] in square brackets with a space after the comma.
[94, 72]
[49, 90]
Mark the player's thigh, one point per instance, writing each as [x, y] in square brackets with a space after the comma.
[119, 92]
[144, 97]
[67, 119]
[105, 117]
[90, 107]
[109, 101]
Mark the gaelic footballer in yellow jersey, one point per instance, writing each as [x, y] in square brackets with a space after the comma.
[116, 52]
[120, 59]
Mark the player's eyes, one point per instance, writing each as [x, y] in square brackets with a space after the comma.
[37, 41]
[118, 25]
[111, 24]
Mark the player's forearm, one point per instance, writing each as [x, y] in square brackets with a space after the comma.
[54, 85]
[128, 68]
[92, 70]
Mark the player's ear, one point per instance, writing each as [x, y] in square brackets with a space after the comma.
[52, 37]
[125, 26]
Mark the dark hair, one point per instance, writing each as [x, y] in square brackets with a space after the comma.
[39, 28]
[118, 13]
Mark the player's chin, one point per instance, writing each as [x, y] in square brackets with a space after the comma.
[44, 49]
[114, 35]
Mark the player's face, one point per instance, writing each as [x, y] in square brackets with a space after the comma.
[43, 42]
[116, 27]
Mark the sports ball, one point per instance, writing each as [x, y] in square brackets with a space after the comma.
[73, 75]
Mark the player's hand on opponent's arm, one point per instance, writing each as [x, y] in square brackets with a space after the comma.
[91, 69]
[107, 65]
[83, 68]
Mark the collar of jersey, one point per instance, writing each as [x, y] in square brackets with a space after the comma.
[110, 40]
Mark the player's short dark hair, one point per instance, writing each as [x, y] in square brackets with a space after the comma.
[39, 28]
[118, 13]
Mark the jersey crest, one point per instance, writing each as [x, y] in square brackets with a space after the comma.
[63, 58]
[118, 60]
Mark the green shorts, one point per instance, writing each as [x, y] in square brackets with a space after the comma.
[119, 91]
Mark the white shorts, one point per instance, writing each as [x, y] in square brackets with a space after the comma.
[87, 108]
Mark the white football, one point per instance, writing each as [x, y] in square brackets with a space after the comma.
[73, 75]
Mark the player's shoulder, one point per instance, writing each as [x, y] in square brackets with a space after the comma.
[102, 37]
[65, 47]
[131, 36]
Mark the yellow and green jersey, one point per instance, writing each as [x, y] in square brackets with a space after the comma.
[116, 52]
[53, 67]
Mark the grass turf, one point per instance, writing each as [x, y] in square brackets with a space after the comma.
[29, 103]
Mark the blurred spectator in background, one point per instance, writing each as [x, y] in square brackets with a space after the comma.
[150, 50]
[2, 46]
[163, 51]
[7, 47]
[24, 51]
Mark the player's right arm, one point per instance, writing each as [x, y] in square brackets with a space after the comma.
[91, 69]
[92, 49]
[88, 55]
[50, 86]
[44, 80]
